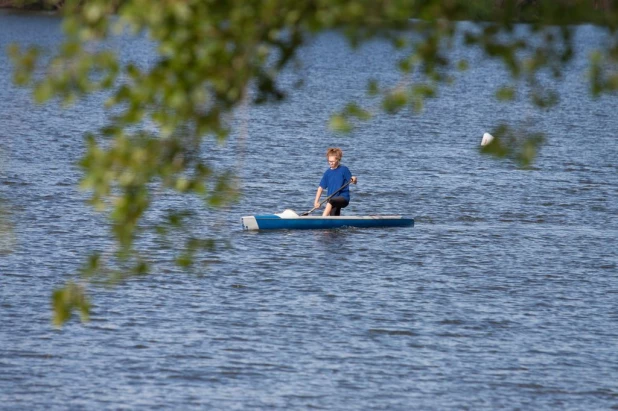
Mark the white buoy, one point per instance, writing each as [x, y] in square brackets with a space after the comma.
[487, 138]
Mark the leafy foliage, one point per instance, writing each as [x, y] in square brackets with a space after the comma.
[214, 56]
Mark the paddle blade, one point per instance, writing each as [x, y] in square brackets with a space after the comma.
[308, 212]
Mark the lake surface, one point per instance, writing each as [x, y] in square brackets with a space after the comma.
[503, 296]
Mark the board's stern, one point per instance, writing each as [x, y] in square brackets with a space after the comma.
[249, 223]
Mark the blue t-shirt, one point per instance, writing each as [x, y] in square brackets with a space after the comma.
[332, 180]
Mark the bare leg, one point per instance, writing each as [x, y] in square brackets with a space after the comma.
[327, 209]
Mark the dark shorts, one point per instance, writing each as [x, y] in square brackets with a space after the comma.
[338, 203]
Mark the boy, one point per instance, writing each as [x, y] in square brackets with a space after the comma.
[335, 177]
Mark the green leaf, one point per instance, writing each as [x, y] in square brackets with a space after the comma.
[340, 123]
[354, 110]
[394, 101]
[68, 299]
[506, 93]
[373, 88]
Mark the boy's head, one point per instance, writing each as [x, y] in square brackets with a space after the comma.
[334, 152]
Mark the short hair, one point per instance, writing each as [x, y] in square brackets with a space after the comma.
[334, 151]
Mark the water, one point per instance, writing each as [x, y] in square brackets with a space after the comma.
[503, 295]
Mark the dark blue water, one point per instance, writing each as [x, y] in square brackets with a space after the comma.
[503, 296]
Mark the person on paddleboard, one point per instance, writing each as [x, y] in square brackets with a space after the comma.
[336, 180]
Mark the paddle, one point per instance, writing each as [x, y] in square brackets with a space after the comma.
[328, 198]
